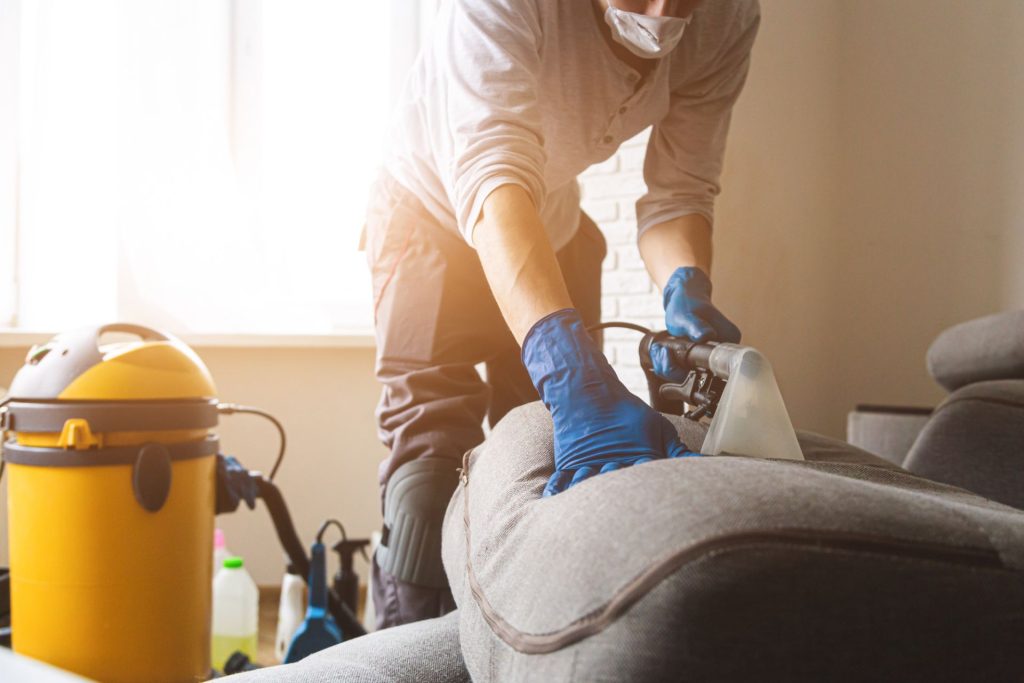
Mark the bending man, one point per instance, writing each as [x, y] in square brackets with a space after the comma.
[480, 252]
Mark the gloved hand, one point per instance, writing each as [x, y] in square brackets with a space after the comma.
[599, 425]
[689, 313]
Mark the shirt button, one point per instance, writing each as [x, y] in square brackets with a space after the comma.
[606, 139]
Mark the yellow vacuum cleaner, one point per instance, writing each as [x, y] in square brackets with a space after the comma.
[111, 496]
[113, 481]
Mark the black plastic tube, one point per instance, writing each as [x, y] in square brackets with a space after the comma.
[297, 557]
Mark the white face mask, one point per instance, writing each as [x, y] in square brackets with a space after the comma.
[644, 36]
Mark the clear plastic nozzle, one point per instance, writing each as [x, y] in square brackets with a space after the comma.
[751, 418]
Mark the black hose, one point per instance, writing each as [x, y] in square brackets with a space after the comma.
[616, 324]
[327, 523]
[297, 558]
[232, 408]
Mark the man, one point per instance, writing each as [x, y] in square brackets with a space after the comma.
[480, 253]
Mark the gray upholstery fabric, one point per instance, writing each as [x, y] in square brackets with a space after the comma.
[423, 652]
[976, 440]
[978, 350]
[843, 567]
[886, 434]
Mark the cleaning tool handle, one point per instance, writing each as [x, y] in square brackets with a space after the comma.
[318, 578]
[688, 354]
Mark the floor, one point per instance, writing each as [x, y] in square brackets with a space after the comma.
[269, 598]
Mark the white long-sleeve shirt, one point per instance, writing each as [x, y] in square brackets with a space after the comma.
[529, 92]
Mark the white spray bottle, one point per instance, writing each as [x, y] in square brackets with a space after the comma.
[290, 612]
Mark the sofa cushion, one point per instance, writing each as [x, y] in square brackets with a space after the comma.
[424, 652]
[728, 568]
[978, 350]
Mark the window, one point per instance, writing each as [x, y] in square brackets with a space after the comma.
[8, 157]
[199, 165]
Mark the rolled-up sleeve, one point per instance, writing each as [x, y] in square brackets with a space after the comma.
[685, 150]
[491, 62]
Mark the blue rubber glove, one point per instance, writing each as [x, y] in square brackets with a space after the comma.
[689, 313]
[599, 425]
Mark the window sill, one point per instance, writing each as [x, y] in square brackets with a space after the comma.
[352, 339]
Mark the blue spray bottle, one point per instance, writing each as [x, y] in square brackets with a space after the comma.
[318, 630]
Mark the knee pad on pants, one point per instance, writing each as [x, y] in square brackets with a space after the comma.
[415, 501]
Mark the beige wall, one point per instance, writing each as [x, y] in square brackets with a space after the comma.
[873, 197]
[776, 219]
[930, 229]
[873, 192]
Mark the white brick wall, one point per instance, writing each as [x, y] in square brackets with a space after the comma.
[610, 191]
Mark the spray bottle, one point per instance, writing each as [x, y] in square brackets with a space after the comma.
[346, 581]
[289, 611]
[318, 630]
[236, 613]
[220, 550]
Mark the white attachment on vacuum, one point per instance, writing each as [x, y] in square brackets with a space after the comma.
[751, 418]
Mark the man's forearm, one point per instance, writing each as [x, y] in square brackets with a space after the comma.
[683, 241]
[518, 260]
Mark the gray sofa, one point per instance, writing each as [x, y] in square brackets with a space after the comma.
[974, 438]
[842, 567]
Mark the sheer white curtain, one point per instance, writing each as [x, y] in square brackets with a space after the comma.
[9, 60]
[203, 165]
[67, 163]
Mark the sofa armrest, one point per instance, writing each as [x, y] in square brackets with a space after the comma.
[886, 431]
[976, 441]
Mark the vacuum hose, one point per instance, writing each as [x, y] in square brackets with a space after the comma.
[688, 354]
[293, 548]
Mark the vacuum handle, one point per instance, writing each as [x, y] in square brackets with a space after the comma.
[144, 333]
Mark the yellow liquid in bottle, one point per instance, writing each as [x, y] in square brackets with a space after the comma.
[224, 646]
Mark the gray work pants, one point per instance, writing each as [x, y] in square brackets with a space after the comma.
[436, 319]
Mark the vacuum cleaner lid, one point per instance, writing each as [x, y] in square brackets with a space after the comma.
[74, 366]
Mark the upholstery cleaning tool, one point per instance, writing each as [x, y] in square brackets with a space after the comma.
[236, 613]
[733, 385]
[289, 612]
[318, 631]
[114, 480]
